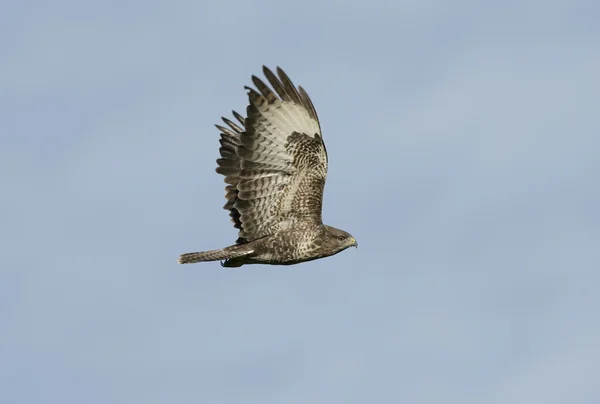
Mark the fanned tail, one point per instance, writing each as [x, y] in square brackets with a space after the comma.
[227, 253]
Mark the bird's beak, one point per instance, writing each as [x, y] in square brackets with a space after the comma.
[354, 242]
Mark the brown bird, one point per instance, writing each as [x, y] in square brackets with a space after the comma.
[275, 164]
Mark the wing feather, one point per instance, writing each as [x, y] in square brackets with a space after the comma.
[229, 165]
[276, 165]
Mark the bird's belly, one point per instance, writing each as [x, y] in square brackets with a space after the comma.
[279, 250]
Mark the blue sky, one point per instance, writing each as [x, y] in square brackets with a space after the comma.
[463, 140]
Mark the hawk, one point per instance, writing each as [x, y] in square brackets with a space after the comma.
[275, 165]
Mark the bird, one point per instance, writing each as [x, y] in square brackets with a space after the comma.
[274, 162]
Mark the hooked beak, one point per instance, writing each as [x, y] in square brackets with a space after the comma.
[354, 242]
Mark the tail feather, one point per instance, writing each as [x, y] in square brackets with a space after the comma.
[222, 254]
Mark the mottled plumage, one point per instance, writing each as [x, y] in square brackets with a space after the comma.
[275, 165]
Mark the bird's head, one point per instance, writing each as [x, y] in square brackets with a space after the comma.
[337, 240]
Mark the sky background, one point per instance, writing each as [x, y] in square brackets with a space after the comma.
[464, 156]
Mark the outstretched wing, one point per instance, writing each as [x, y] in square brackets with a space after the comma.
[281, 158]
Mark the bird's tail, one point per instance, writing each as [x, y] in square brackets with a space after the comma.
[227, 253]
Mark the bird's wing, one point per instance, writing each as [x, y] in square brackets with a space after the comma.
[281, 157]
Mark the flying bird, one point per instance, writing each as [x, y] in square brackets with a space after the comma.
[275, 165]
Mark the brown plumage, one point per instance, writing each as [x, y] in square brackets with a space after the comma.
[275, 166]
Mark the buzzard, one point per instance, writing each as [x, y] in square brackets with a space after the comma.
[275, 164]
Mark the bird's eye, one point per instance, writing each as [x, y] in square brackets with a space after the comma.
[341, 238]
